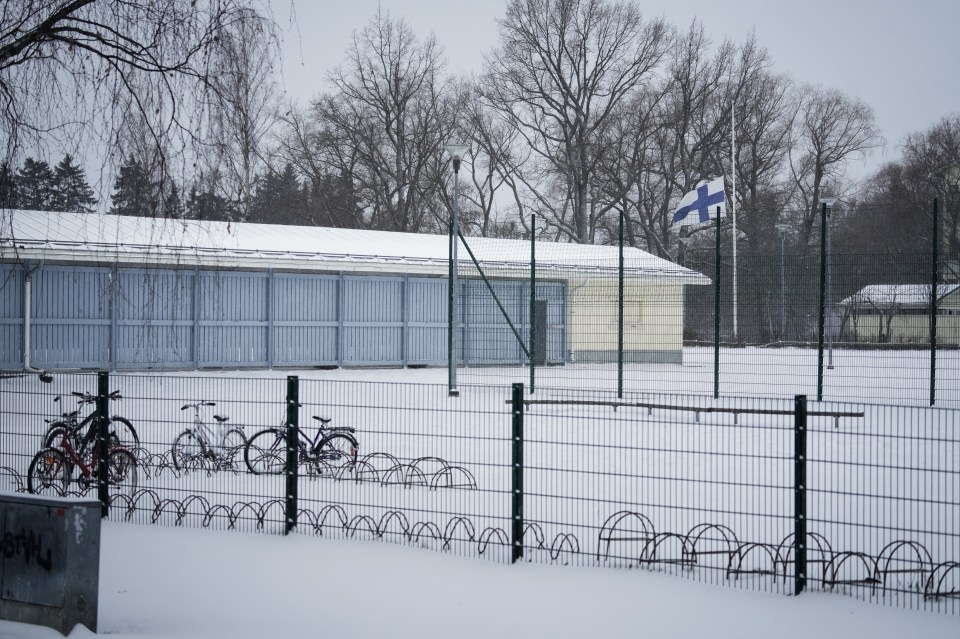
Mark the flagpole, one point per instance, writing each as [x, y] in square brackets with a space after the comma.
[733, 212]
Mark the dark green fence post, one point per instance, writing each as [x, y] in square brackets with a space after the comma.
[716, 318]
[103, 452]
[620, 316]
[823, 288]
[516, 511]
[799, 494]
[293, 452]
[533, 299]
[934, 286]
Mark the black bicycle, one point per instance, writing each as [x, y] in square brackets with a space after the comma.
[328, 450]
[120, 431]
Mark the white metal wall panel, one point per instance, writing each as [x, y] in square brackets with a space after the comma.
[426, 321]
[233, 319]
[372, 320]
[153, 318]
[11, 315]
[71, 317]
[304, 320]
[130, 318]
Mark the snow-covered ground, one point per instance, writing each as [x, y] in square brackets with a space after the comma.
[870, 480]
[158, 582]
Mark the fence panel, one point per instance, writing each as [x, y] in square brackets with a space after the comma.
[853, 499]
[663, 483]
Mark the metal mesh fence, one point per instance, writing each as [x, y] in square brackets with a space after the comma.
[760, 493]
[821, 320]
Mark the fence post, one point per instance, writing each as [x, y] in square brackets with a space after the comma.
[934, 268]
[799, 494]
[716, 318]
[516, 536]
[620, 314]
[293, 452]
[823, 288]
[533, 300]
[103, 428]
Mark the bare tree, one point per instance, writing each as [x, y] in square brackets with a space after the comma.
[243, 103]
[691, 140]
[830, 129]
[73, 72]
[561, 70]
[386, 122]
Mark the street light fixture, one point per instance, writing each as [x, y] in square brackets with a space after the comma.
[456, 152]
[829, 201]
[782, 232]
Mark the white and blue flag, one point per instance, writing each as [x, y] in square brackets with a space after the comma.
[700, 205]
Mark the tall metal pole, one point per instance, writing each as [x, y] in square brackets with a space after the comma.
[934, 286]
[733, 215]
[620, 315]
[783, 297]
[830, 314]
[716, 317]
[453, 305]
[533, 299]
[823, 278]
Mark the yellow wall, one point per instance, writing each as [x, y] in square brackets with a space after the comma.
[909, 329]
[653, 315]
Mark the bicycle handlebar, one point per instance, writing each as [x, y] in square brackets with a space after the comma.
[86, 398]
[197, 405]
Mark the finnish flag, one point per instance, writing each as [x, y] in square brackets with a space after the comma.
[697, 206]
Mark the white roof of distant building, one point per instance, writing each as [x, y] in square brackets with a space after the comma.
[33, 235]
[887, 295]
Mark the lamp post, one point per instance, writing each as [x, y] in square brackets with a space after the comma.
[829, 202]
[782, 232]
[456, 152]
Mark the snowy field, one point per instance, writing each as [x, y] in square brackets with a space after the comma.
[196, 583]
[437, 476]
[883, 377]
[176, 583]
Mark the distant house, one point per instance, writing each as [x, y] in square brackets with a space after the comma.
[109, 292]
[900, 314]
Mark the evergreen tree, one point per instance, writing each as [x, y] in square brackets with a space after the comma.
[134, 193]
[8, 187]
[207, 205]
[333, 202]
[71, 192]
[35, 186]
[172, 204]
[279, 199]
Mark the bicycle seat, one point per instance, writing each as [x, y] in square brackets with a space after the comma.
[323, 420]
[220, 419]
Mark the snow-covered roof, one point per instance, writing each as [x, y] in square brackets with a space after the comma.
[97, 237]
[888, 295]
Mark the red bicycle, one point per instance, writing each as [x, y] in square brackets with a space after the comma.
[73, 462]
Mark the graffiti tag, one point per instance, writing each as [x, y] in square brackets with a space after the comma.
[29, 545]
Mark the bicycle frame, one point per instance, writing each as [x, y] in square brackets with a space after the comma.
[210, 441]
[76, 458]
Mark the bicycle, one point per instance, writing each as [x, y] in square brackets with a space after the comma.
[196, 445]
[53, 468]
[120, 429]
[266, 452]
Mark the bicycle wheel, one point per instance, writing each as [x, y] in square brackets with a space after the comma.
[266, 452]
[339, 449]
[53, 438]
[126, 435]
[187, 451]
[234, 442]
[122, 471]
[49, 473]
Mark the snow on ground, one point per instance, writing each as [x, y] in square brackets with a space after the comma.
[158, 582]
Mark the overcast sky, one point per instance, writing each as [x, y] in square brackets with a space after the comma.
[901, 57]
